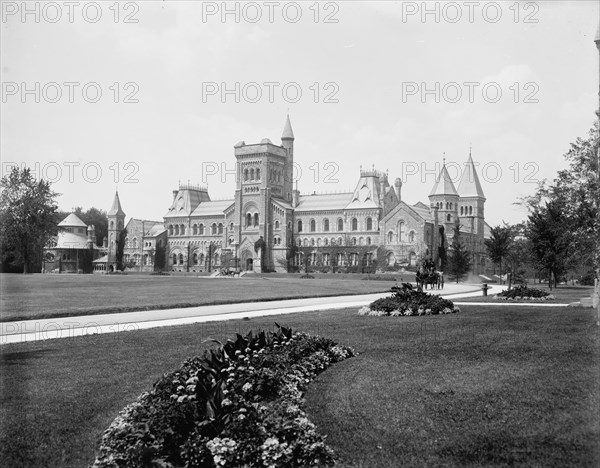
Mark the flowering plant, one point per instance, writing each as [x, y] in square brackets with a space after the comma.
[238, 405]
[408, 302]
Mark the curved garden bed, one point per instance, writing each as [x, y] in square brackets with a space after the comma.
[238, 405]
[524, 293]
[406, 300]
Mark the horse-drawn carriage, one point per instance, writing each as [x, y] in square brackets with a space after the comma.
[230, 272]
[427, 275]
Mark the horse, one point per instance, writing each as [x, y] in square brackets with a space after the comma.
[432, 278]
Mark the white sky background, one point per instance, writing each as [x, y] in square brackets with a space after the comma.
[171, 134]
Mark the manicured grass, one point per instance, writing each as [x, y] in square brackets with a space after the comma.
[42, 296]
[487, 386]
[564, 294]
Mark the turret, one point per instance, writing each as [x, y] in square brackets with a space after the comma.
[287, 142]
[472, 199]
[445, 198]
[116, 223]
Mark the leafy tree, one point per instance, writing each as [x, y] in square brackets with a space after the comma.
[576, 191]
[459, 260]
[550, 240]
[27, 217]
[120, 249]
[499, 244]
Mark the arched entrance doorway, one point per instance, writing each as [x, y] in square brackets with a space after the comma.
[249, 264]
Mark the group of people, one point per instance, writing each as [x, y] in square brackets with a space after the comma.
[427, 275]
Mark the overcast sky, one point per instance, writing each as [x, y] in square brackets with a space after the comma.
[369, 74]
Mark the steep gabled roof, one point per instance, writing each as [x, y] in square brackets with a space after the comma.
[443, 185]
[212, 208]
[469, 185]
[288, 133]
[116, 207]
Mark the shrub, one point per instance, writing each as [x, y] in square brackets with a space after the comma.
[524, 292]
[406, 300]
[238, 405]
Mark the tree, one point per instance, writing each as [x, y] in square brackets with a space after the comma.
[27, 217]
[550, 240]
[499, 244]
[576, 191]
[120, 249]
[459, 260]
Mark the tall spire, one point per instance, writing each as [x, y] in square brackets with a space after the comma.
[443, 185]
[469, 185]
[288, 134]
[116, 207]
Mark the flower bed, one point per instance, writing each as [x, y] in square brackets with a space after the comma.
[523, 293]
[238, 405]
[407, 301]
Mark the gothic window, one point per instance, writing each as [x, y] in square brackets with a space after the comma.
[182, 230]
[201, 229]
[305, 242]
[195, 258]
[411, 236]
[277, 224]
[299, 242]
[340, 225]
[248, 220]
[461, 211]
[326, 225]
[390, 237]
[340, 241]
[354, 241]
[195, 229]
[326, 259]
[127, 242]
[230, 241]
[252, 174]
[299, 225]
[231, 227]
[174, 259]
[319, 242]
[217, 258]
[391, 260]
[213, 230]
[177, 229]
[401, 232]
[220, 228]
[369, 224]
[354, 224]
[256, 219]
[361, 241]
[181, 259]
[258, 174]
[112, 224]
[450, 205]
[449, 217]
[368, 241]
[245, 174]
[470, 210]
[326, 242]
[201, 259]
[135, 242]
[312, 242]
[313, 225]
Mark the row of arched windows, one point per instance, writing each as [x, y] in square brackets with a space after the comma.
[352, 259]
[252, 220]
[326, 226]
[399, 236]
[466, 210]
[251, 174]
[197, 229]
[197, 259]
[332, 242]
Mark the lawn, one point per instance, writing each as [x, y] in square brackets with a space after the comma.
[43, 296]
[487, 386]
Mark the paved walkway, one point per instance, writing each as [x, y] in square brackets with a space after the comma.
[68, 327]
